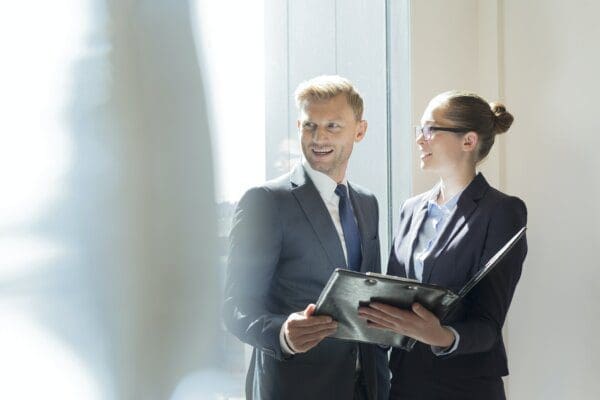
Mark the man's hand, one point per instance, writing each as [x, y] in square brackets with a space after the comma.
[303, 330]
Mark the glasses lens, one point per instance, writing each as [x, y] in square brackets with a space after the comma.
[421, 130]
[426, 132]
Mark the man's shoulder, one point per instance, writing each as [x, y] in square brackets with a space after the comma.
[269, 191]
[280, 183]
[361, 190]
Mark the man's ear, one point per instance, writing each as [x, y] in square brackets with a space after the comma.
[298, 124]
[362, 131]
[470, 140]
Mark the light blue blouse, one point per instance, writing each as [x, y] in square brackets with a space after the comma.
[432, 227]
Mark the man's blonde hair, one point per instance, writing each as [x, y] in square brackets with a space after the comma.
[325, 87]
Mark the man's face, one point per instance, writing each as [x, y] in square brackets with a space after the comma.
[328, 131]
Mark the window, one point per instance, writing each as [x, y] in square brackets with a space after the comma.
[256, 56]
[232, 48]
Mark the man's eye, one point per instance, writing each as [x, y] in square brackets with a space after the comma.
[308, 125]
[333, 126]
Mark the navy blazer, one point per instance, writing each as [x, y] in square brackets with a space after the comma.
[483, 221]
[283, 249]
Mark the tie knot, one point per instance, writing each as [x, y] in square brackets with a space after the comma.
[340, 190]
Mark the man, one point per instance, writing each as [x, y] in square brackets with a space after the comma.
[287, 238]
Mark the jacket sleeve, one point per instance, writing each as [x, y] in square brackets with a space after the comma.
[487, 304]
[255, 244]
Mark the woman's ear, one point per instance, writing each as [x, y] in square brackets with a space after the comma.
[470, 140]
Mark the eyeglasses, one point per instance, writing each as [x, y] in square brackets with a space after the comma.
[427, 131]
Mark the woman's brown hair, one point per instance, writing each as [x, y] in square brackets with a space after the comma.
[470, 111]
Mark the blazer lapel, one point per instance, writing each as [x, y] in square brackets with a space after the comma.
[415, 228]
[464, 208]
[316, 213]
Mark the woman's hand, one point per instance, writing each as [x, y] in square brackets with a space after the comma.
[420, 323]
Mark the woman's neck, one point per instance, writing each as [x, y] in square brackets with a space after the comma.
[452, 184]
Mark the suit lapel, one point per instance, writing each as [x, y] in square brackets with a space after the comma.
[356, 200]
[316, 213]
[465, 207]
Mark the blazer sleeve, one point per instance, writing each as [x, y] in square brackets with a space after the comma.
[487, 304]
[254, 249]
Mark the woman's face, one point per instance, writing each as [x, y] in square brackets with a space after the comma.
[445, 152]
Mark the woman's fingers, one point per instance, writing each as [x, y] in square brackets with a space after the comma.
[424, 313]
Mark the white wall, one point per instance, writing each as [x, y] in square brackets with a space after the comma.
[552, 63]
[452, 50]
[541, 58]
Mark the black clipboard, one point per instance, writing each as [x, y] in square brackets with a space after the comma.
[347, 290]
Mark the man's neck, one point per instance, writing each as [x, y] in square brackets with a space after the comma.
[339, 177]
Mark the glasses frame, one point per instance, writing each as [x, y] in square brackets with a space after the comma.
[428, 131]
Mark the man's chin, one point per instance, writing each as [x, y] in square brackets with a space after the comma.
[320, 166]
[325, 169]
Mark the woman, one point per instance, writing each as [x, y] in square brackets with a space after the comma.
[445, 236]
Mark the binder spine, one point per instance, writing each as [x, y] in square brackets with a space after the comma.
[325, 292]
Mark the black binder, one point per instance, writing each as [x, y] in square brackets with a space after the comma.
[347, 290]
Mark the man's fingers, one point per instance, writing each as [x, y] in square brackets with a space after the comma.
[298, 320]
[309, 310]
[309, 345]
[307, 342]
[304, 330]
[309, 330]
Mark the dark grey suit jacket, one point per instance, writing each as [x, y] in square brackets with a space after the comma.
[484, 220]
[283, 249]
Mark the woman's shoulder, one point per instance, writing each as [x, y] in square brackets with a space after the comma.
[506, 209]
[504, 200]
[415, 201]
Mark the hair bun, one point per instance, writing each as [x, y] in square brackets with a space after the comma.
[502, 118]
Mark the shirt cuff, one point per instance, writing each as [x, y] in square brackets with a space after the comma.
[284, 346]
[444, 351]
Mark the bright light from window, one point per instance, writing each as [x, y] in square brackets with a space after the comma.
[233, 46]
[42, 43]
[39, 42]
[36, 365]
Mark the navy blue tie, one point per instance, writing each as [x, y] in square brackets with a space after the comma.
[350, 229]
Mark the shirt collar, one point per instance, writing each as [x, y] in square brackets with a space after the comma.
[324, 184]
[447, 207]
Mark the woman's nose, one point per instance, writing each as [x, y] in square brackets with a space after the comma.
[420, 138]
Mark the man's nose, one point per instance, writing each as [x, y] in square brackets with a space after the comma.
[320, 134]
